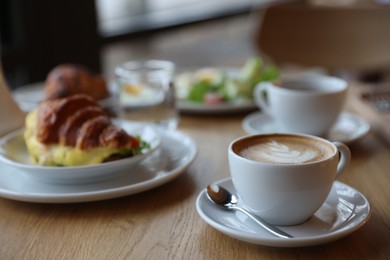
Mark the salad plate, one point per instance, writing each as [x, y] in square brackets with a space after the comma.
[13, 153]
[344, 212]
[349, 128]
[221, 89]
[187, 81]
[176, 152]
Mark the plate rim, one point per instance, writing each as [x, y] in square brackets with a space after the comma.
[280, 242]
[226, 107]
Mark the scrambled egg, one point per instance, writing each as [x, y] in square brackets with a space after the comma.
[133, 89]
[59, 155]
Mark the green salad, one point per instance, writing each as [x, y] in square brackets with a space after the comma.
[214, 86]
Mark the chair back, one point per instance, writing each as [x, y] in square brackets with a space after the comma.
[11, 116]
[355, 38]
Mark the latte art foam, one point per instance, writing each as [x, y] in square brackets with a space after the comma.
[286, 150]
[277, 152]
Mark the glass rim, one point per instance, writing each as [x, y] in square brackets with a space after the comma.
[138, 68]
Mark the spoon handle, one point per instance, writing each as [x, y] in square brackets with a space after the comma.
[267, 226]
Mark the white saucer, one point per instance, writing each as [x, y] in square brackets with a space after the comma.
[348, 128]
[175, 154]
[344, 211]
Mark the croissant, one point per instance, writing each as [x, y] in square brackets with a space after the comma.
[74, 131]
[69, 79]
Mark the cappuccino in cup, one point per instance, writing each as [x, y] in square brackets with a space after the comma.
[286, 149]
[285, 178]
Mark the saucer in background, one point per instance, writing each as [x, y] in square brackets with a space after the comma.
[348, 128]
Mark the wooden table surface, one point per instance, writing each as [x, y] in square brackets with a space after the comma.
[162, 223]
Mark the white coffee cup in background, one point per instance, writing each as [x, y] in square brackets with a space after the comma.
[308, 104]
[285, 178]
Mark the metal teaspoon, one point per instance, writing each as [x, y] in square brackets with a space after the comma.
[225, 199]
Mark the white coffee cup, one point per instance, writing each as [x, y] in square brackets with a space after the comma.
[285, 178]
[308, 104]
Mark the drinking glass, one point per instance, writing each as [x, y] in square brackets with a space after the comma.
[146, 93]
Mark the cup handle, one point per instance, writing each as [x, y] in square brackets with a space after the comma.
[260, 98]
[345, 157]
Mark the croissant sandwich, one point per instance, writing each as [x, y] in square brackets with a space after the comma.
[75, 131]
[70, 79]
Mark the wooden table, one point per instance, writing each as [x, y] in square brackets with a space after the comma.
[163, 223]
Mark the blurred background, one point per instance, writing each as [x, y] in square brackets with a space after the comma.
[346, 37]
[38, 35]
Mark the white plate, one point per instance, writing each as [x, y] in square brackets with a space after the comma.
[176, 153]
[348, 128]
[29, 96]
[14, 154]
[344, 211]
